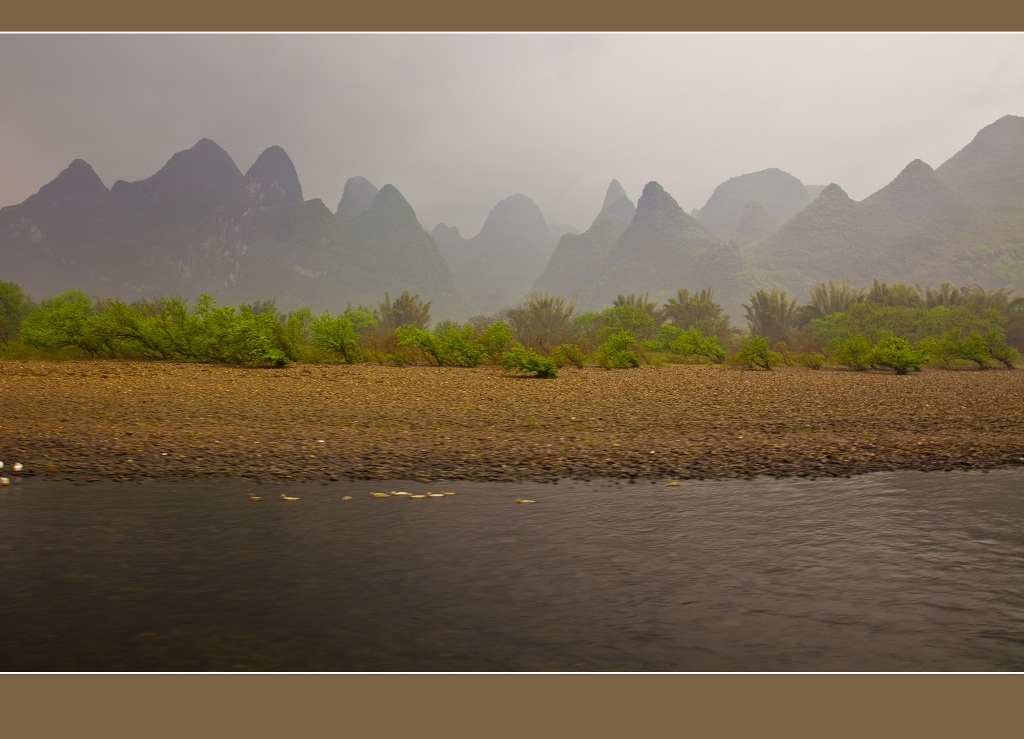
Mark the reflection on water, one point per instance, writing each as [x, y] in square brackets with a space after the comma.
[884, 572]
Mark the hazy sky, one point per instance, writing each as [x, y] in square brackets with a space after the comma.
[457, 122]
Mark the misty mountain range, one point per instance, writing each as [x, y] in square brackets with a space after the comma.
[200, 225]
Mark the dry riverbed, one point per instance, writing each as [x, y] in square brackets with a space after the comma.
[128, 420]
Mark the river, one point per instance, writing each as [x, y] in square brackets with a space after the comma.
[905, 571]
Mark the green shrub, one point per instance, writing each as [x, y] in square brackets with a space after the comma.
[896, 353]
[62, 322]
[569, 354]
[693, 343]
[854, 352]
[521, 359]
[755, 352]
[619, 351]
[811, 360]
[495, 340]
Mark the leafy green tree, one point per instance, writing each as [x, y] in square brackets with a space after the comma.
[337, 335]
[298, 328]
[62, 322]
[629, 317]
[693, 343]
[854, 351]
[14, 306]
[365, 320]
[756, 352]
[495, 340]
[998, 347]
[620, 351]
[261, 339]
[130, 331]
[642, 303]
[896, 353]
[449, 343]
[1014, 330]
[587, 328]
[177, 327]
[771, 315]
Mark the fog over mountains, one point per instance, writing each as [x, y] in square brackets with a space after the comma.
[201, 225]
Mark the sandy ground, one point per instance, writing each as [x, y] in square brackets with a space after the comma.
[123, 420]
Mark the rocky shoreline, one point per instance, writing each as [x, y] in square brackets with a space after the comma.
[91, 420]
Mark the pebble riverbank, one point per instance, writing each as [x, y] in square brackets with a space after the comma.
[90, 420]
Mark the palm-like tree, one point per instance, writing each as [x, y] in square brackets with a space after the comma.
[771, 315]
[687, 311]
[542, 321]
[834, 297]
[406, 309]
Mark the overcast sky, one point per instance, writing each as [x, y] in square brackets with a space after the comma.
[457, 122]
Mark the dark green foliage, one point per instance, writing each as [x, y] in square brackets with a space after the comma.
[542, 321]
[755, 352]
[833, 297]
[565, 354]
[521, 359]
[14, 306]
[699, 311]
[406, 310]
[894, 295]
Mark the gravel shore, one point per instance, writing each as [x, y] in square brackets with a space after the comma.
[88, 420]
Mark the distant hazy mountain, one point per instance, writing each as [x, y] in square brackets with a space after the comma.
[267, 242]
[558, 230]
[198, 224]
[357, 197]
[389, 246]
[497, 267]
[185, 191]
[752, 206]
[55, 240]
[579, 259]
[654, 248]
[664, 249]
[989, 173]
[962, 223]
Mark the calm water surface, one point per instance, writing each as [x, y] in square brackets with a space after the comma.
[884, 572]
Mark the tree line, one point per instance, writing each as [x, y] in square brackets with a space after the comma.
[898, 327]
